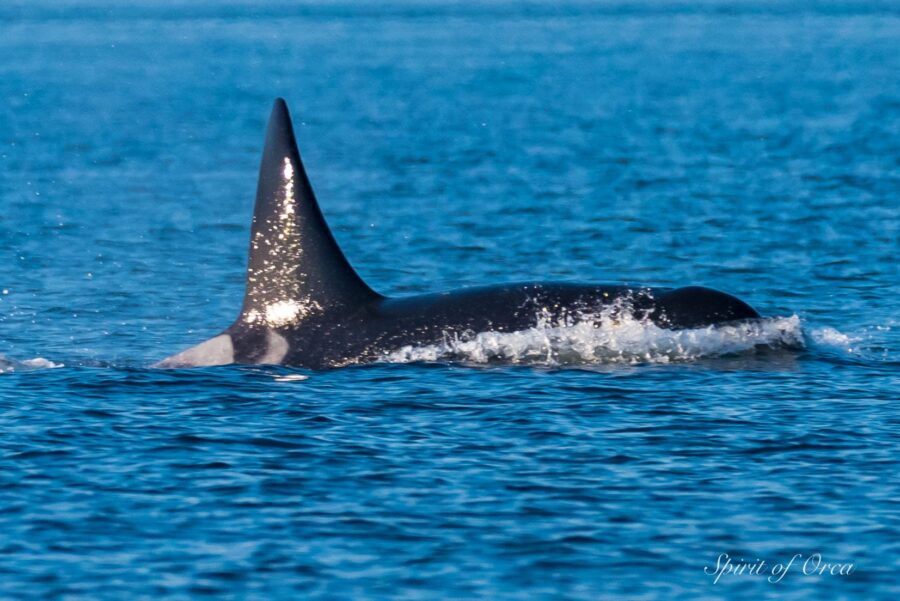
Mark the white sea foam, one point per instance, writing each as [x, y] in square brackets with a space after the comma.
[291, 378]
[834, 338]
[612, 337]
[10, 365]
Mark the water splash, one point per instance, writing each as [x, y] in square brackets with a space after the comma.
[871, 342]
[611, 337]
[831, 337]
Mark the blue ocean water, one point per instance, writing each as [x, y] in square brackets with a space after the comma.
[749, 146]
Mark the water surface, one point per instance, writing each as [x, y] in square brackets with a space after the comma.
[752, 147]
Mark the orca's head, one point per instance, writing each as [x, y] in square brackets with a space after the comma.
[697, 307]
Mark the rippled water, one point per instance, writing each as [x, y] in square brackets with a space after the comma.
[752, 147]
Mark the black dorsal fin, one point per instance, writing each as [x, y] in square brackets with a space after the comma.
[296, 269]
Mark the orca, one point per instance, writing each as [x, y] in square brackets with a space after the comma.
[305, 306]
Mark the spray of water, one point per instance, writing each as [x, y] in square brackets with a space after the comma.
[613, 336]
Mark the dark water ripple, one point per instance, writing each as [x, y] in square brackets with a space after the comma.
[752, 147]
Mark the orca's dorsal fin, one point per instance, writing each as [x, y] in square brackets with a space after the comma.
[296, 269]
